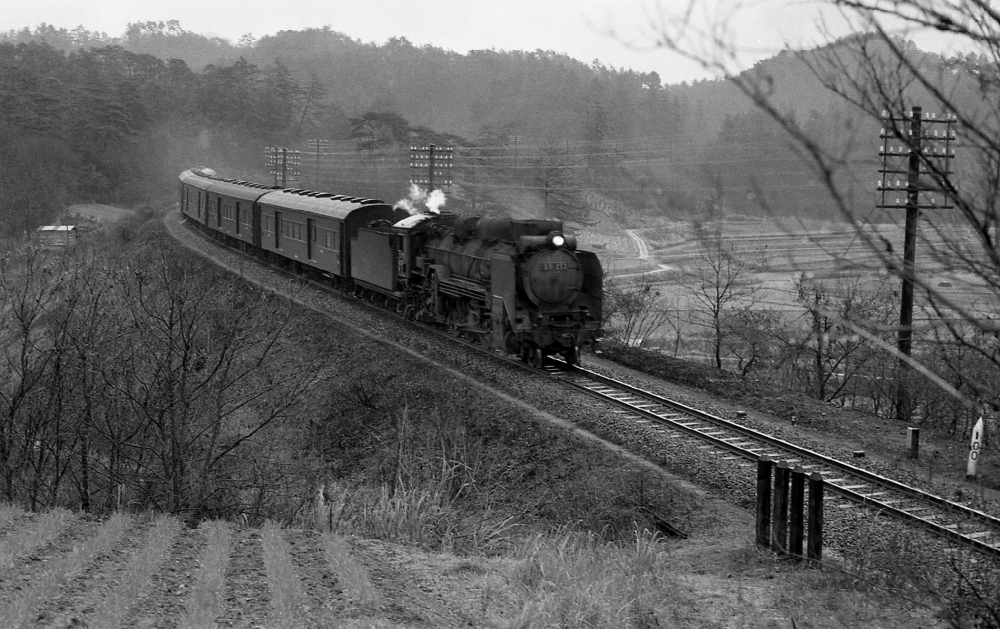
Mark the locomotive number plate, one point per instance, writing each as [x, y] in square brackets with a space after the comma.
[555, 266]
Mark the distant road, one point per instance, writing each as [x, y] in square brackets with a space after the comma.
[643, 249]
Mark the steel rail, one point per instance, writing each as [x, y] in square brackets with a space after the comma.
[949, 531]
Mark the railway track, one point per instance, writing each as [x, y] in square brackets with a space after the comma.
[848, 484]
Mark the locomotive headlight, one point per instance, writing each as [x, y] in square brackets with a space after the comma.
[558, 240]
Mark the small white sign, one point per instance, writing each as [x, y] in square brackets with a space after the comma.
[974, 449]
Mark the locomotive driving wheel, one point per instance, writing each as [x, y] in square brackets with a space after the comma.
[572, 355]
[531, 354]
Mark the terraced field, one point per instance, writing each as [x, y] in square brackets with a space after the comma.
[784, 252]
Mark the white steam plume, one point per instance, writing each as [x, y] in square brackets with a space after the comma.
[417, 201]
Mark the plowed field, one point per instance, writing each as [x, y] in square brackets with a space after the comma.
[65, 570]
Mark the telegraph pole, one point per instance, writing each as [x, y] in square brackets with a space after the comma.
[904, 342]
[936, 163]
[284, 163]
[431, 166]
[318, 146]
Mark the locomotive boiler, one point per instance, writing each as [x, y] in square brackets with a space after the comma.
[519, 285]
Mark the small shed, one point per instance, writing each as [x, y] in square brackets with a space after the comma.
[54, 236]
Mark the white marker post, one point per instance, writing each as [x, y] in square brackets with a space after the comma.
[974, 449]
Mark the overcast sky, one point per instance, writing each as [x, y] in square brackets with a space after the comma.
[579, 28]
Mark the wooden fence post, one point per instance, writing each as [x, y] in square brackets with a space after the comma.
[796, 511]
[764, 465]
[815, 543]
[779, 515]
[913, 442]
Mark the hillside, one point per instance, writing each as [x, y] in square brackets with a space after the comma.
[535, 123]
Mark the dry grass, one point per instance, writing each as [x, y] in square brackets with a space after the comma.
[46, 586]
[137, 575]
[287, 596]
[27, 540]
[205, 603]
[8, 512]
[351, 576]
[423, 518]
[577, 580]
[416, 517]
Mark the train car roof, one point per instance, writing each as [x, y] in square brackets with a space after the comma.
[323, 203]
[206, 180]
[413, 220]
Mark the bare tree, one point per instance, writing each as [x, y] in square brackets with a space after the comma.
[718, 281]
[634, 309]
[751, 340]
[833, 353]
[204, 368]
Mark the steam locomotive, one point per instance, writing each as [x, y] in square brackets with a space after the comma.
[521, 286]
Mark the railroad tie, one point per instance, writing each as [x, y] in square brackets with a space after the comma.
[979, 534]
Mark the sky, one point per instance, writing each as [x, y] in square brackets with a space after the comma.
[618, 33]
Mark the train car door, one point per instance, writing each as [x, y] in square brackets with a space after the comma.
[310, 237]
[255, 226]
[277, 229]
[345, 253]
[218, 212]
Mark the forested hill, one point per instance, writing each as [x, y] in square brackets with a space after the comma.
[111, 117]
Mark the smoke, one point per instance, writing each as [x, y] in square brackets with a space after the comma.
[417, 201]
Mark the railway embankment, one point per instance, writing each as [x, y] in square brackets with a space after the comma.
[551, 402]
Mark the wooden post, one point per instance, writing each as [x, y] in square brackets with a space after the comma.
[779, 514]
[815, 543]
[904, 342]
[797, 510]
[913, 442]
[764, 465]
